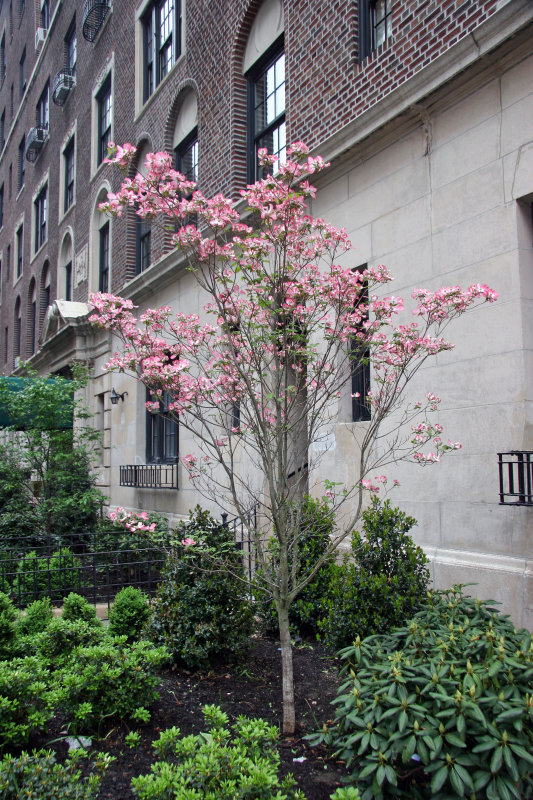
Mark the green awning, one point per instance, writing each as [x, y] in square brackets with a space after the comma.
[36, 414]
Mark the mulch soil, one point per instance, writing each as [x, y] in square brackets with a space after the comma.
[251, 688]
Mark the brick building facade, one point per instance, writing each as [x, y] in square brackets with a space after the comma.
[424, 109]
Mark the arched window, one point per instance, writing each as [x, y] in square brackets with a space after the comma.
[185, 143]
[64, 288]
[264, 68]
[143, 228]
[31, 318]
[45, 294]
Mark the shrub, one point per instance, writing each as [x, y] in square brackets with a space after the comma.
[109, 679]
[76, 607]
[7, 625]
[37, 617]
[440, 708]
[62, 636]
[46, 576]
[129, 613]
[26, 702]
[226, 764]
[39, 777]
[381, 585]
[316, 526]
[201, 612]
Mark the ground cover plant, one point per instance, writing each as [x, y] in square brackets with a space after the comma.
[259, 382]
[440, 708]
[38, 776]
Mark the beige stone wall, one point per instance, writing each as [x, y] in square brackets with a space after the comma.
[450, 203]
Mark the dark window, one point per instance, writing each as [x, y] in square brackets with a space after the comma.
[6, 344]
[43, 107]
[68, 156]
[20, 249]
[103, 271]
[11, 18]
[187, 157]
[375, 25]
[266, 109]
[22, 73]
[11, 101]
[10, 179]
[18, 329]
[105, 108]
[161, 434]
[8, 262]
[2, 59]
[22, 168]
[1, 205]
[161, 26]
[40, 217]
[360, 366]
[3, 129]
[22, 6]
[70, 49]
[143, 242]
[68, 281]
[45, 13]
[33, 324]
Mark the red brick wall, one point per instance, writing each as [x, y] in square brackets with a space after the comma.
[327, 87]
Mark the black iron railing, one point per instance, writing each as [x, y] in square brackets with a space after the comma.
[34, 141]
[149, 476]
[62, 84]
[96, 565]
[243, 534]
[93, 17]
[516, 477]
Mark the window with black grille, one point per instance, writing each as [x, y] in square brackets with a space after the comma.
[375, 25]
[161, 33]
[40, 208]
[103, 265]
[68, 164]
[266, 109]
[104, 100]
[162, 439]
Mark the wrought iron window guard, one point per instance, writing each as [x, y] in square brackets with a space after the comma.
[34, 142]
[62, 84]
[149, 476]
[516, 477]
[94, 14]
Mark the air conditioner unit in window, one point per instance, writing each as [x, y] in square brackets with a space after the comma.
[40, 36]
[34, 141]
[61, 86]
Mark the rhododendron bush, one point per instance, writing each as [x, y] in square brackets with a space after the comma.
[258, 377]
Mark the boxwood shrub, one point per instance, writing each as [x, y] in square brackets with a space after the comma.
[202, 612]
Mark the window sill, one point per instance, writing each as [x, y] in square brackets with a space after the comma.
[39, 251]
[65, 214]
[146, 105]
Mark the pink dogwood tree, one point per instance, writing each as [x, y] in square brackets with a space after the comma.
[257, 378]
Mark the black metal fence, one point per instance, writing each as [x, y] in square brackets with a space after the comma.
[99, 564]
[516, 477]
[96, 565]
[244, 540]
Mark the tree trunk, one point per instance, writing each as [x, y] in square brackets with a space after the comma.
[286, 672]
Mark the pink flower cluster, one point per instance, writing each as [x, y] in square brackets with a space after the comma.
[284, 312]
[133, 521]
